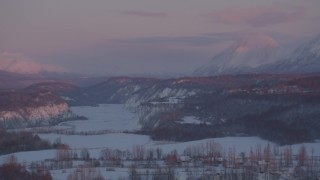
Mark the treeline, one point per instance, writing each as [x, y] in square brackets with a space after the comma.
[209, 160]
[11, 142]
[14, 171]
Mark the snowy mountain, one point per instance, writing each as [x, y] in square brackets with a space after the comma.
[305, 59]
[17, 63]
[248, 53]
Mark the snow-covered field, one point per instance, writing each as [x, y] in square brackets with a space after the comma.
[95, 143]
[127, 141]
[30, 156]
[116, 118]
[113, 117]
[114, 174]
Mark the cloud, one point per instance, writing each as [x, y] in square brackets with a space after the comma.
[259, 16]
[195, 40]
[188, 40]
[17, 63]
[147, 14]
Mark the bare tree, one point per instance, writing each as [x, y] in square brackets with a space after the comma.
[12, 159]
[288, 156]
[85, 173]
[267, 153]
[302, 157]
[258, 152]
[84, 154]
[134, 175]
[138, 152]
[159, 153]
[63, 152]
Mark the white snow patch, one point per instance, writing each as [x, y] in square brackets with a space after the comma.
[67, 98]
[165, 93]
[192, 120]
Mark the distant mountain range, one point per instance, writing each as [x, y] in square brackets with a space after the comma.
[10, 80]
[262, 54]
[17, 63]
[254, 53]
[304, 59]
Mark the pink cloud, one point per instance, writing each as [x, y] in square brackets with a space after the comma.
[259, 16]
[17, 63]
[147, 14]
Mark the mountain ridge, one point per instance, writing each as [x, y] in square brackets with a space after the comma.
[264, 56]
[17, 63]
[304, 59]
[244, 55]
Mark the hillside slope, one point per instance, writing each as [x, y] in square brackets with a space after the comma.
[21, 109]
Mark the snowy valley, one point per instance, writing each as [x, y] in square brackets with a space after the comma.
[246, 118]
[114, 153]
[194, 127]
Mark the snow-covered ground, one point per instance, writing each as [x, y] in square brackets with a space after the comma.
[116, 173]
[128, 141]
[113, 117]
[192, 120]
[30, 156]
[95, 143]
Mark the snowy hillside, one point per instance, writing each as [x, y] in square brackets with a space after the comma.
[19, 109]
[305, 59]
[248, 53]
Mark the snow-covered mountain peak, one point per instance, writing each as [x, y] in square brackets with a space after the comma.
[17, 63]
[305, 59]
[316, 49]
[307, 53]
[248, 43]
[250, 51]
[314, 46]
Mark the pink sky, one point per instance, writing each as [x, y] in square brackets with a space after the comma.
[146, 36]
